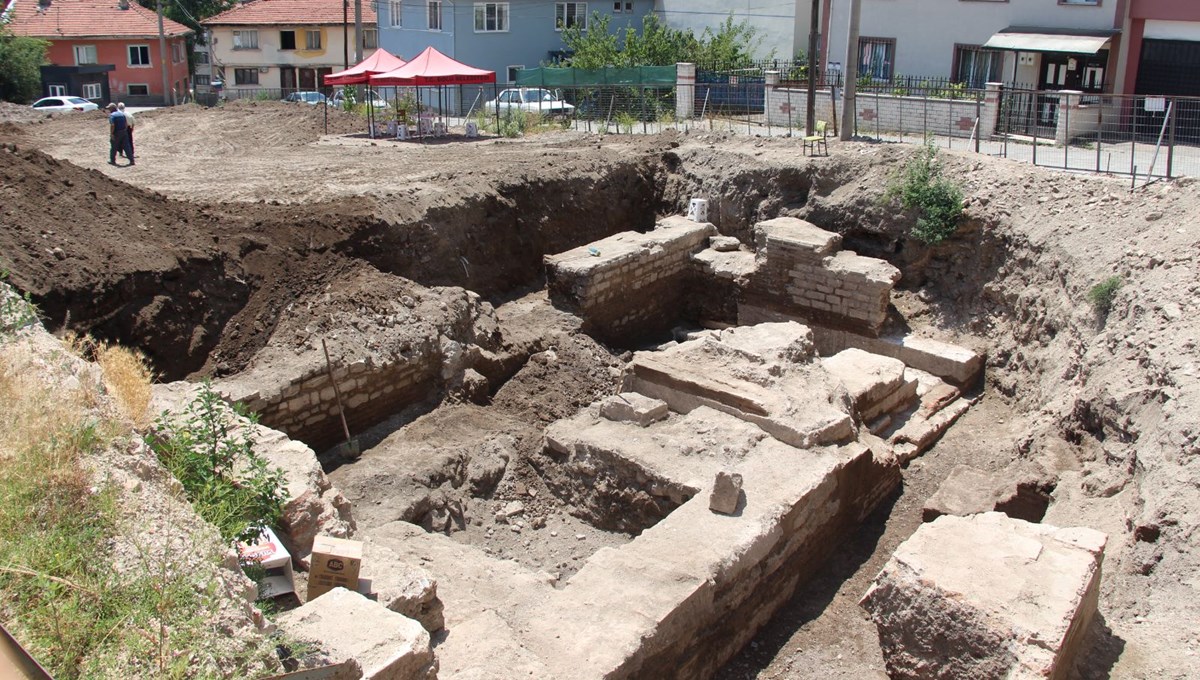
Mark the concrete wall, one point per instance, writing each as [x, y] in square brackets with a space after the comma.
[804, 271]
[926, 31]
[885, 113]
[628, 286]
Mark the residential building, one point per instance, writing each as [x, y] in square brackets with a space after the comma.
[781, 30]
[1044, 44]
[1161, 51]
[105, 49]
[285, 44]
[498, 36]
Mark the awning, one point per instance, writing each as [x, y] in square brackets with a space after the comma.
[1049, 40]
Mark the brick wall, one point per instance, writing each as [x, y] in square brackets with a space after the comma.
[306, 408]
[803, 270]
[628, 286]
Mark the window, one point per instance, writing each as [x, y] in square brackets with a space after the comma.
[976, 66]
[176, 52]
[140, 90]
[287, 40]
[200, 57]
[57, 91]
[245, 40]
[312, 40]
[512, 72]
[396, 13]
[629, 8]
[491, 17]
[91, 91]
[370, 38]
[85, 54]
[139, 55]
[875, 57]
[202, 80]
[617, 6]
[434, 8]
[245, 76]
[568, 14]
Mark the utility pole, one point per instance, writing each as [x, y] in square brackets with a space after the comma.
[850, 71]
[162, 58]
[811, 119]
[345, 34]
[358, 41]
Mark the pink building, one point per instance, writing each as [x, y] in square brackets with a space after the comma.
[1161, 51]
[105, 50]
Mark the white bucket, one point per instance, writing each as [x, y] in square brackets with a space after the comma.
[401, 131]
[698, 210]
[472, 129]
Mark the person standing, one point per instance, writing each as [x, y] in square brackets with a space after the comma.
[129, 124]
[118, 133]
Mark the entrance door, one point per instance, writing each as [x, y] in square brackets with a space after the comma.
[287, 79]
[308, 79]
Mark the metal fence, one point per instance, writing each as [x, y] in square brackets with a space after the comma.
[1138, 135]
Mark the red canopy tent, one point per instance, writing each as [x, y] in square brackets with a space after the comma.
[434, 68]
[381, 61]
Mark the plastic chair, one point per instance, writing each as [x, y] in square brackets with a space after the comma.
[817, 140]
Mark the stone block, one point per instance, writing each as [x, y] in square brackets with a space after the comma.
[805, 237]
[633, 407]
[1020, 494]
[724, 244]
[348, 626]
[404, 587]
[987, 596]
[726, 493]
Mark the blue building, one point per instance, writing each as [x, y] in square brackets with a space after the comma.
[499, 36]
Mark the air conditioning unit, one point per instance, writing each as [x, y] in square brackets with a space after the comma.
[264, 69]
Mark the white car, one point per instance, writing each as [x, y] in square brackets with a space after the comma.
[533, 99]
[369, 96]
[61, 104]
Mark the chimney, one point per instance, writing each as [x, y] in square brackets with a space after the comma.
[123, 4]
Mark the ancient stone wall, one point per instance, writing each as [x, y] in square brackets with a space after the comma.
[631, 285]
[306, 407]
[802, 270]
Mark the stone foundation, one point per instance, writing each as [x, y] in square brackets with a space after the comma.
[628, 286]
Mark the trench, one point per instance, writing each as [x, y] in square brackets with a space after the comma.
[482, 443]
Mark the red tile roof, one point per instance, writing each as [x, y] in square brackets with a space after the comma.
[88, 19]
[289, 13]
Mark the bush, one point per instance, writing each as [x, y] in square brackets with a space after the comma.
[1103, 294]
[226, 481]
[936, 201]
[16, 311]
[21, 59]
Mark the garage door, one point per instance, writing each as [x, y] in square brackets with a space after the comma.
[1168, 67]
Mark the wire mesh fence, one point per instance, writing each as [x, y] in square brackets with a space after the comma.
[1140, 135]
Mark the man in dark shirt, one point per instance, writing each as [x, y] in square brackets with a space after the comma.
[118, 133]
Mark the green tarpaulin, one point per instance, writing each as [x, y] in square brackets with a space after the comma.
[567, 77]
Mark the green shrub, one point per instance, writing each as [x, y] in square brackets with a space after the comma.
[936, 201]
[626, 121]
[226, 481]
[1103, 294]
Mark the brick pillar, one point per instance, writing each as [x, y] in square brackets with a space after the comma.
[685, 91]
[990, 115]
[769, 94]
[1068, 118]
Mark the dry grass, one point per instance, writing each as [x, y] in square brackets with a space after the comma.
[128, 377]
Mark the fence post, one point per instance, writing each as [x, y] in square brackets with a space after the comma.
[1099, 131]
[1036, 125]
[1171, 139]
[685, 91]
[643, 109]
[878, 134]
[1067, 142]
[978, 118]
[789, 111]
[1133, 137]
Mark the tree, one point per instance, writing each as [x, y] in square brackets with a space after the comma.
[656, 44]
[20, 59]
[594, 48]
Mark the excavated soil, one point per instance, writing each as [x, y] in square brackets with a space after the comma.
[238, 222]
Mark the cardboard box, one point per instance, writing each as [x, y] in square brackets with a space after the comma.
[275, 560]
[334, 562]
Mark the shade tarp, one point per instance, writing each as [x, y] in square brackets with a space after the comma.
[379, 62]
[1045, 40]
[565, 77]
[434, 68]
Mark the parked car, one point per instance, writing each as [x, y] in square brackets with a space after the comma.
[534, 99]
[64, 104]
[310, 98]
[369, 96]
